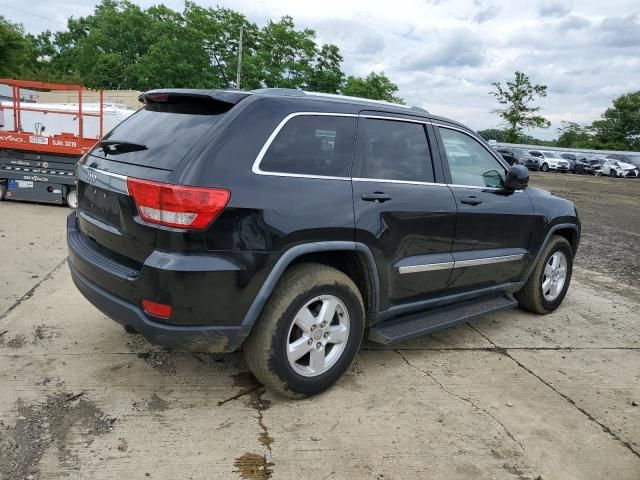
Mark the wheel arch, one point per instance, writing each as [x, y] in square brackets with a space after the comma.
[570, 231]
[352, 258]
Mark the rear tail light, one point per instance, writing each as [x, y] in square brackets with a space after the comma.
[157, 309]
[177, 206]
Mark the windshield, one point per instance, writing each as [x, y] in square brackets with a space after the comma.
[551, 155]
[634, 160]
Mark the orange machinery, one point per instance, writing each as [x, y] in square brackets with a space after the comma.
[36, 165]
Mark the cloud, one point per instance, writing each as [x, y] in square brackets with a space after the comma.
[553, 10]
[573, 22]
[459, 47]
[486, 14]
[621, 31]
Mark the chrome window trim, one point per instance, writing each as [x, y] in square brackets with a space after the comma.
[403, 182]
[255, 168]
[429, 267]
[396, 119]
[460, 263]
[475, 137]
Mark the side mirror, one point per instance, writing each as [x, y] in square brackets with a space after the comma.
[517, 178]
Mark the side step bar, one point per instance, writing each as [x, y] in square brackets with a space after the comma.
[418, 324]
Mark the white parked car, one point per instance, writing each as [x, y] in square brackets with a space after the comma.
[617, 168]
[551, 161]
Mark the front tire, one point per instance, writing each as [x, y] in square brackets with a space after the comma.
[309, 332]
[613, 173]
[544, 167]
[3, 190]
[548, 284]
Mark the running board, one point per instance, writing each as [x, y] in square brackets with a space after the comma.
[418, 324]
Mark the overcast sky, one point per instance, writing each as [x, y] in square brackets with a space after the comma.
[444, 54]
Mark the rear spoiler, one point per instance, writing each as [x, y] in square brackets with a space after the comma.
[230, 97]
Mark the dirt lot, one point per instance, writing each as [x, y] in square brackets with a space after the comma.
[513, 396]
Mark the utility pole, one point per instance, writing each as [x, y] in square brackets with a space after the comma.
[239, 60]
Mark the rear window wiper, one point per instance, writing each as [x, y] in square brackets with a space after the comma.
[116, 147]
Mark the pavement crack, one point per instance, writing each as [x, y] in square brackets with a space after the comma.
[253, 465]
[464, 399]
[32, 290]
[571, 401]
[239, 394]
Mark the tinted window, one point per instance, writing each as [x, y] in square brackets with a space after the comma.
[168, 131]
[469, 162]
[312, 145]
[393, 150]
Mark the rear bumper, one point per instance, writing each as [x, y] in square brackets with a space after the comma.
[193, 338]
[210, 293]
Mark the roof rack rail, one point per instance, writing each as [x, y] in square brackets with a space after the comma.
[293, 92]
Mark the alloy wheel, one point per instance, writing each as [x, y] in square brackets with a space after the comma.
[318, 335]
[554, 276]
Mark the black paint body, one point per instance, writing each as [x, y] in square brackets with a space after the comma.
[217, 280]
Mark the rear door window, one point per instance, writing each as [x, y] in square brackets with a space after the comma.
[315, 145]
[161, 134]
[393, 150]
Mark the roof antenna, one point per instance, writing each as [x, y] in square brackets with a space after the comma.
[217, 62]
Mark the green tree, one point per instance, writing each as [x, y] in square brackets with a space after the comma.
[493, 134]
[326, 75]
[123, 46]
[573, 135]
[219, 32]
[619, 127]
[518, 113]
[15, 49]
[376, 86]
[286, 55]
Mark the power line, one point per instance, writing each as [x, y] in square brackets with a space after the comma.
[33, 14]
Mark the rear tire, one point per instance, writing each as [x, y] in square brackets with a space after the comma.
[3, 190]
[544, 167]
[532, 297]
[612, 173]
[278, 337]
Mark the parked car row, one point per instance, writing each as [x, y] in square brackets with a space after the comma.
[613, 165]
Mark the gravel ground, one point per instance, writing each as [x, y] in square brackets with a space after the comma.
[609, 209]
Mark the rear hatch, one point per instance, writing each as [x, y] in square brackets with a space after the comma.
[148, 146]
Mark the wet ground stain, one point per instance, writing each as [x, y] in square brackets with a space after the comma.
[252, 466]
[43, 424]
[157, 404]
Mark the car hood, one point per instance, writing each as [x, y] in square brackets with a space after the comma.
[626, 166]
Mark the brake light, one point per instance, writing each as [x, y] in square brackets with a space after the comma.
[177, 206]
[157, 309]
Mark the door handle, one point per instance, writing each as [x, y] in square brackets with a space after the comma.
[378, 197]
[472, 200]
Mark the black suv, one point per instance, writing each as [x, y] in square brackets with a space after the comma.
[293, 225]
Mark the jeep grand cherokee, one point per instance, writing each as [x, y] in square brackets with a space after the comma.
[293, 224]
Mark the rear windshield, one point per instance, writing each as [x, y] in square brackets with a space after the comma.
[160, 134]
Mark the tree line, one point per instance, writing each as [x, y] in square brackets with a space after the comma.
[122, 46]
[617, 129]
